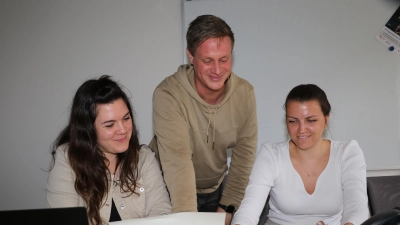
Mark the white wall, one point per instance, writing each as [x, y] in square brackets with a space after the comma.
[47, 49]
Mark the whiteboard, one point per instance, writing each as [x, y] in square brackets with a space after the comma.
[282, 43]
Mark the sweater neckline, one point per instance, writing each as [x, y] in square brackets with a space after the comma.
[319, 177]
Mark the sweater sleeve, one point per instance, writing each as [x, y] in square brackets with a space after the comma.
[242, 157]
[261, 181]
[355, 200]
[61, 183]
[157, 199]
[173, 144]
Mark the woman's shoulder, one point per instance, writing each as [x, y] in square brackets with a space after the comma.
[146, 158]
[145, 152]
[62, 151]
[347, 149]
[275, 147]
[345, 145]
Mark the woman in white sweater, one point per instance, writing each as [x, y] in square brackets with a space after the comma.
[310, 180]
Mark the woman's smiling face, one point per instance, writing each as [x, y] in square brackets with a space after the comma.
[305, 123]
[113, 126]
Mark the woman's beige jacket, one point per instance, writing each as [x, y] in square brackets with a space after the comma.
[152, 200]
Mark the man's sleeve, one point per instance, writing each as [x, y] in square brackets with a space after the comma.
[242, 157]
[175, 154]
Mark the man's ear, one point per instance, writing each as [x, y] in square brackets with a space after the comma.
[190, 56]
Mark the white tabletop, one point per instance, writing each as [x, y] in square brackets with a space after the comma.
[183, 218]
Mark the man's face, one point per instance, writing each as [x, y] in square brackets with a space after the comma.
[212, 63]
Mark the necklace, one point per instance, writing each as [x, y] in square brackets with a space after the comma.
[114, 179]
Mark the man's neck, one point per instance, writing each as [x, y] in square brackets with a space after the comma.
[209, 96]
[213, 98]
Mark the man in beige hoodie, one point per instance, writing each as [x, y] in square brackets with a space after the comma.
[199, 113]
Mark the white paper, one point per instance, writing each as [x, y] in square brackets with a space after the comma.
[389, 35]
[183, 218]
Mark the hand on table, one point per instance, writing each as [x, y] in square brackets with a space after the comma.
[228, 216]
[322, 223]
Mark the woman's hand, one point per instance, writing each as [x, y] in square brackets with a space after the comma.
[322, 223]
[228, 216]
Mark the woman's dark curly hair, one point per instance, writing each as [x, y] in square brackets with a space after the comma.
[88, 162]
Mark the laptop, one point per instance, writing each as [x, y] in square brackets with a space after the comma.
[49, 216]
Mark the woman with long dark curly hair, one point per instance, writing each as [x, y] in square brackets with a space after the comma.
[98, 161]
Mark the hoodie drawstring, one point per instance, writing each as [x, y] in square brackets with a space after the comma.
[215, 115]
[209, 123]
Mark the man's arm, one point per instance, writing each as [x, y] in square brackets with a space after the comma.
[242, 156]
[175, 154]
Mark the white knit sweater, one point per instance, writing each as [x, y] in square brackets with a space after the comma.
[339, 197]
